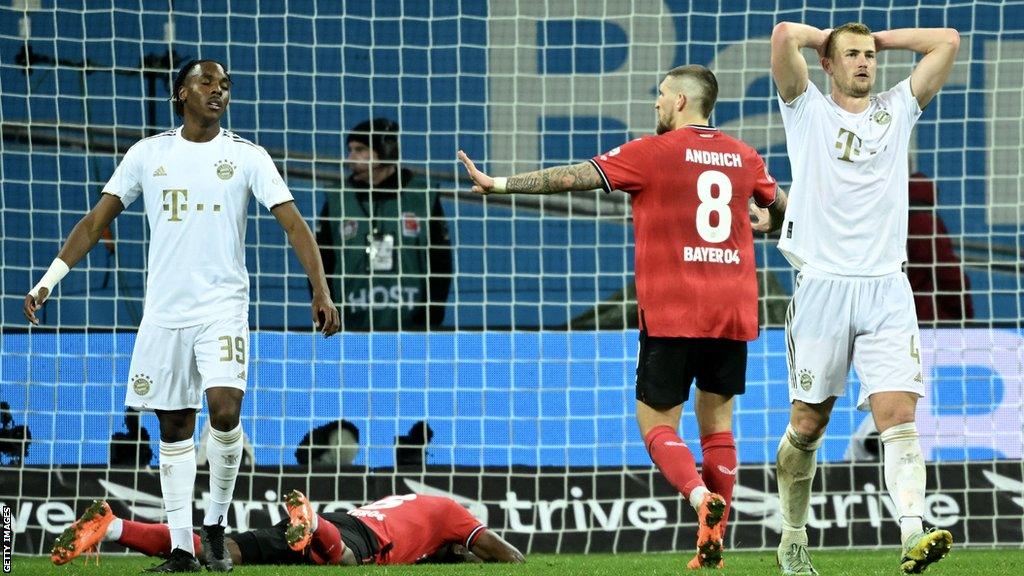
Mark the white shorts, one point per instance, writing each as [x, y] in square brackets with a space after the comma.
[835, 320]
[172, 367]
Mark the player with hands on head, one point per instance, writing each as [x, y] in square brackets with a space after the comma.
[846, 231]
[196, 182]
[691, 188]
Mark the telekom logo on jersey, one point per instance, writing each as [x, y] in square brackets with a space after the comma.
[176, 202]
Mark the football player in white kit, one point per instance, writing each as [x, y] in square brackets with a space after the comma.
[196, 181]
[846, 231]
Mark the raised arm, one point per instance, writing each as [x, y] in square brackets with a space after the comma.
[939, 46]
[789, 69]
[582, 176]
[325, 315]
[83, 237]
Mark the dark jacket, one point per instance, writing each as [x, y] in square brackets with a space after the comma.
[387, 254]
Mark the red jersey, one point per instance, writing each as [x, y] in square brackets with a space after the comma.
[694, 260]
[412, 526]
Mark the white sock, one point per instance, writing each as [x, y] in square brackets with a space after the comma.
[905, 476]
[224, 452]
[177, 483]
[795, 465]
[114, 530]
[697, 496]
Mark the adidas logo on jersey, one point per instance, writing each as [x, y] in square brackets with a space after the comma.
[160, 172]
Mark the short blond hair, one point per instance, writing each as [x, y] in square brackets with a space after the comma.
[851, 28]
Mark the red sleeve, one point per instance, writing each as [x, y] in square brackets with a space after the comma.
[625, 167]
[461, 526]
[764, 185]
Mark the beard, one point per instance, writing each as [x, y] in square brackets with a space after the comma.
[663, 126]
[856, 89]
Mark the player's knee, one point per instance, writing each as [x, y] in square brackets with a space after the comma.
[225, 406]
[893, 409]
[224, 420]
[894, 417]
[809, 426]
[176, 425]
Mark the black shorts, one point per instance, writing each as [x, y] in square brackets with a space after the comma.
[268, 545]
[667, 366]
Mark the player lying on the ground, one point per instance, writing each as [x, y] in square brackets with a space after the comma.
[402, 529]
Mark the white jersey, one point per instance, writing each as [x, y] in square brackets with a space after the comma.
[196, 198]
[847, 211]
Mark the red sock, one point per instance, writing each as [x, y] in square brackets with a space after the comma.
[673, 458]
[719, 470]
[150, 539]
[326, 547]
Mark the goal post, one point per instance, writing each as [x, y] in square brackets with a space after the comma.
[527, 387]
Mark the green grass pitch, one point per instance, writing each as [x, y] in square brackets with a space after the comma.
[845, 563]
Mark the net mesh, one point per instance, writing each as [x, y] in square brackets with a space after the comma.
[530, 375]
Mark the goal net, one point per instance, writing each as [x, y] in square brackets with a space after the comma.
[520, 402]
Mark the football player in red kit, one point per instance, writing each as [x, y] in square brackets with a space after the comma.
[691, 188]
[401, 529]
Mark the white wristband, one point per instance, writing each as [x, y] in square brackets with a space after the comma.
[500, 185]
[58, 269]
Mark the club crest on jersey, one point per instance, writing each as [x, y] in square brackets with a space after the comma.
[806, 379]
[142, 384]
[410, 224]
[349, 229]
[882, 117]
[225, 169]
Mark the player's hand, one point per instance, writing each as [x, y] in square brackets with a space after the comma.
[34, 303]
[325, 315]
[482, 183]
[820, 48]
[760, 219]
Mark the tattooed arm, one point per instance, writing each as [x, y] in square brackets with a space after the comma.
[582, 176]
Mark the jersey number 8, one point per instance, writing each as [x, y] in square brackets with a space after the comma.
[714, 204]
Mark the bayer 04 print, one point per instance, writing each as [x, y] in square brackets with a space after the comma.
[557, 510]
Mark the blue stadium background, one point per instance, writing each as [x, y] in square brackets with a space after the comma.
[299, 81]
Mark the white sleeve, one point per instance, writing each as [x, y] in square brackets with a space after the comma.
[126, 181]
[265, 182]
[901, 98]
[795, 113]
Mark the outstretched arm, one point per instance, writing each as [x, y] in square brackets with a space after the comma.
[939, 46]
[83, 237]
[582, 176]
[490, 547]
[325, 315]
[789, 69]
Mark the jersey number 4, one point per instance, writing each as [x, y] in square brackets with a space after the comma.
[710, 204]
